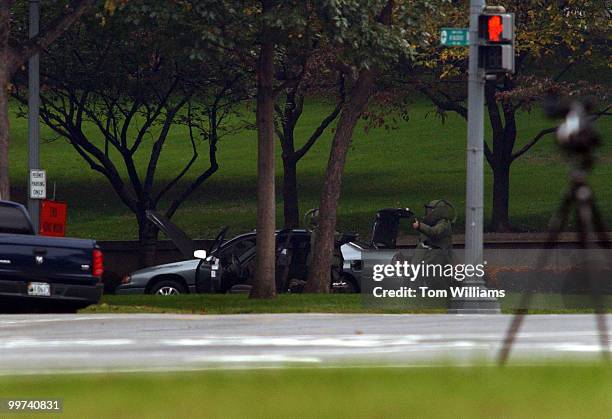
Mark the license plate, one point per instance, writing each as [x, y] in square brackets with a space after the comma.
[39, 288]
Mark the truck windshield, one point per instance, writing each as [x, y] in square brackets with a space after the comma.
[14, 221]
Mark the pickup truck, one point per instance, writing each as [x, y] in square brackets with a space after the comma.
[45, 273]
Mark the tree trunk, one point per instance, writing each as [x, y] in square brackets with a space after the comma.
[319, 271]
[264, 285]
[290, 193]
[147, 241]
[504, 137]
[500, 220]
[4, 100]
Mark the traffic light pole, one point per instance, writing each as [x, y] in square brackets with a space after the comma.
[34, 109]
[474, 217]
[475, 145]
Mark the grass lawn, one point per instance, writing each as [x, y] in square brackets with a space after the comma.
[568, 391]
[231, 304]
[284, 303]
[421, 160]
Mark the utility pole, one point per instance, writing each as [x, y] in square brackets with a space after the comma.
[34, 109]
[474, 217]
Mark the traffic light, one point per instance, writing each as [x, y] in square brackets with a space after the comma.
[496, 41]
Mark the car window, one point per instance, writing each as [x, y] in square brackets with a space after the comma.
[247, 255]
[14, 221]
[238, 248]
[242, 247]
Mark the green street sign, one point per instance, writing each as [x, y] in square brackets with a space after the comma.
[452, 37]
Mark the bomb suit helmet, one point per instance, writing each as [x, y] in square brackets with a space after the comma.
[439, 209]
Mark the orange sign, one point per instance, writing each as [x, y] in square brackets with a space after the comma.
[53, 218]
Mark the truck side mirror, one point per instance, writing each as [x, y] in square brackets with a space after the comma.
[200, 254]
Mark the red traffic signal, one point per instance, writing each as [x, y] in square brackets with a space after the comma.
[496, 41]
[496, 28]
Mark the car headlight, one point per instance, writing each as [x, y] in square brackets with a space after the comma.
[126, 279]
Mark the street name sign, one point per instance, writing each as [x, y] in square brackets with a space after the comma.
[453, 37]
[38, 184]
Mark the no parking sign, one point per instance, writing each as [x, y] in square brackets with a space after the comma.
[53, 218]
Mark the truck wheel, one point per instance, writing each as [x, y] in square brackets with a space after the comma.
[168, 287]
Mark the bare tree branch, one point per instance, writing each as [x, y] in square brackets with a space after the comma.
[533, 142]
[161, 139]
[319, 131]
[324, 124]
[444, 104]
[183, 172]
[54, 29]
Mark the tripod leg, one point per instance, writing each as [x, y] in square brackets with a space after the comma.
[558, 223]
[515, 326]
[600, 226]
[604, 340]
[601, 231]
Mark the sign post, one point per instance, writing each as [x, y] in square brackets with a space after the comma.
[474, 217]
[34, 111]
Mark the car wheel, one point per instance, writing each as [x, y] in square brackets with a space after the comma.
[167, 288]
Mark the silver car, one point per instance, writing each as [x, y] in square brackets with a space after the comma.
[229, 265]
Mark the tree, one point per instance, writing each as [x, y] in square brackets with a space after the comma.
[132, 81]
[14, 54]
[267, 24]
[264, 285]
[308, 63]
[553, 38]
[373, 42]
[234, 27]
[318, 280]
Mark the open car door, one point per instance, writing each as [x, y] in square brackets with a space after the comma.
[181, 240]
[386, 226]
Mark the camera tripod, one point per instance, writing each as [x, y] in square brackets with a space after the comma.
[580, 198]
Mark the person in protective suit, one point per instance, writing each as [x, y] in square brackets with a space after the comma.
[312, 221]
[435, 244]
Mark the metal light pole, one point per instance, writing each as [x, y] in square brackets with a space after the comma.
[34, 108]
[474, 217]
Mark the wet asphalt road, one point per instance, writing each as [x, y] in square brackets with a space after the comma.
[103, 342]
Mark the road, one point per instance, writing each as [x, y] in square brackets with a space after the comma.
[70, 343]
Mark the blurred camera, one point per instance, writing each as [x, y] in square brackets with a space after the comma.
[576, 134]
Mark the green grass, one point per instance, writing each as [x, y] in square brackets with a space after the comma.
[568, 391]
[233, 304]
[286, 303]
[420, 160]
